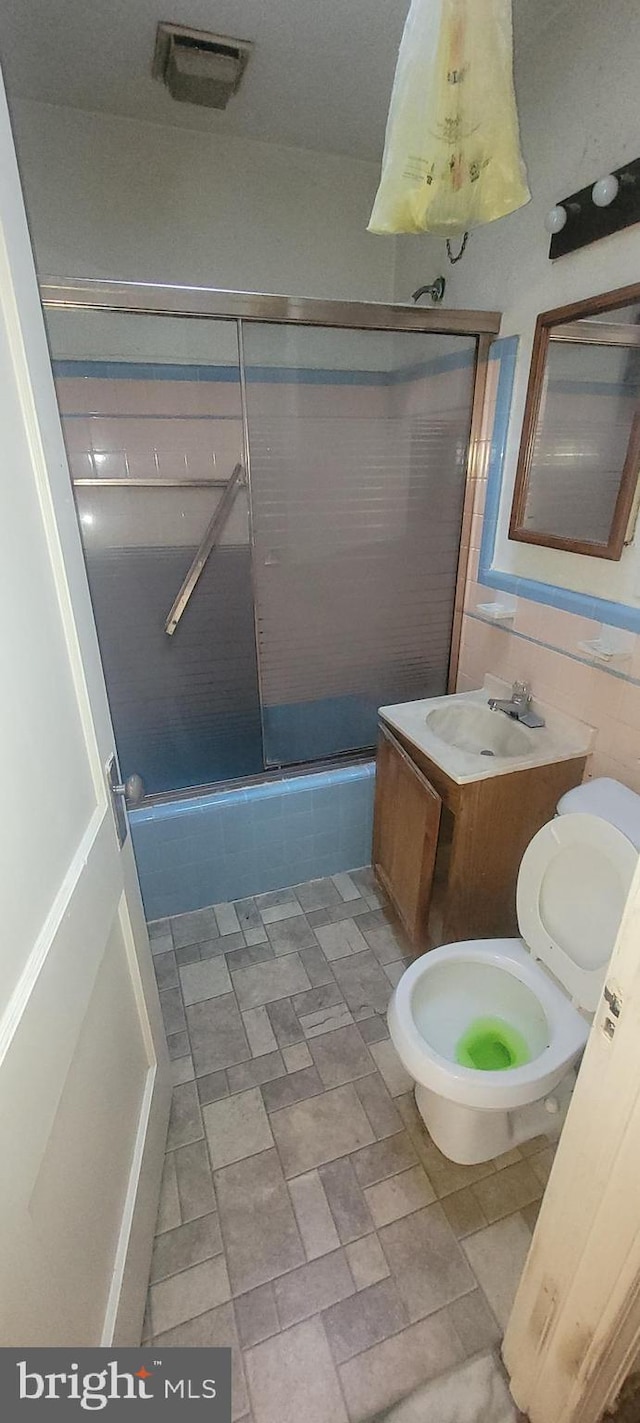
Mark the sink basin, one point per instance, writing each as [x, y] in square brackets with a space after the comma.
[479, 731]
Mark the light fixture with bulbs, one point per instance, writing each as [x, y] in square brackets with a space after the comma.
[609, 205]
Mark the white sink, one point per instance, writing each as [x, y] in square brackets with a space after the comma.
[454, 732]
[479, 730]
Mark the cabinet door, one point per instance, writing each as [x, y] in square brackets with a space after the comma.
[405, 835]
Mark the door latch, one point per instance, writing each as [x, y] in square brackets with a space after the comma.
[614, 1005]
[122, 794]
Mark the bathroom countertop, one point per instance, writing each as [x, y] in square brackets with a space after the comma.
[563, 738]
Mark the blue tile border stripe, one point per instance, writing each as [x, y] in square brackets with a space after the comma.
[273, 375]
[601, 610]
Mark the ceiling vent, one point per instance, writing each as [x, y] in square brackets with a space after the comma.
[197, 67]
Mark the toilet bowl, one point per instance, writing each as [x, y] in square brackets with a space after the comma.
[491, 1029]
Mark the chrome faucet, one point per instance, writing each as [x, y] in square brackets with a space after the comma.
[519, 706]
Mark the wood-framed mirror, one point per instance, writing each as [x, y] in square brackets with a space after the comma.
[579, 457]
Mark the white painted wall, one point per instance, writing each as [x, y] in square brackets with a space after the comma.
[116, 197]
[579, 106]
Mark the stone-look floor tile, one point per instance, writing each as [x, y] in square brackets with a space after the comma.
[394, 971]
[315, 1221]
[257, 951]
[256, 1315]
[320, 1129]
[279, 1373]
[254, 1073]
[236, 1127]
[426, 1261]
[259, 1228]
[297, 1057]
[464, 1212]
[366, 1261]
[507, 1191]
[317, 894]
[215, 1329]
[169, 1203]
[508, 1158]
[369, 887]
[172, 1011]
[191, 928]
[379, 1106]
[358, 1323]
[226, 919]
[284, 1023]
[276, 913]
[216, 948]
[147, 1327]
[445, 1176]
[390, 1370]
[341, 940]
[255, 937]
[535, 1144]
[474, 1323]
[399, 1196]
[530, 1214]
[346, 887]
[178, 1045]
[374, 1029]
[541, 1164]
[389, 1065]
[212, 1087]
[195, 1185]
[206, 979]
[365, 986]
[160, 936]
[385, 1158]
[178, 1249]
[313, 1287]
[181, 1070]
[217, 1034]
[265, 982]
[316, 999]
[166, 970]
[341, 1056]
[386, 945]
[497, 1257]
[354, 909]
[325, 1020]
[316, 967]
[259, 1031]
[346, 1201]
[189, 953]
[293, 1087]
[248, 914]
[183, 1296]
[288, 936]
[185, 1120]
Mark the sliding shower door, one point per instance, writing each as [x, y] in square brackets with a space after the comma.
[358, 447]
[151, 408]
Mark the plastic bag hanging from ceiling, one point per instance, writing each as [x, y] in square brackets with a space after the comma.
[452, 150]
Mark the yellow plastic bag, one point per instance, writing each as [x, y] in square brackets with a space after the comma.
[452, 150]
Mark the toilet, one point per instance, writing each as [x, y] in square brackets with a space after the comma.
[491, 1030]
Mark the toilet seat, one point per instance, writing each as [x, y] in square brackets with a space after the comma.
[572, 886]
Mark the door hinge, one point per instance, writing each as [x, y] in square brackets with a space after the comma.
[613, 1000]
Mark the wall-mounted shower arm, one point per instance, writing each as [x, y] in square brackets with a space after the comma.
[435, 291]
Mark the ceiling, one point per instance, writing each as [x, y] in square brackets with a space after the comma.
[320, 77]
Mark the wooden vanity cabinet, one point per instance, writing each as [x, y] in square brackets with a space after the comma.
[448, 855]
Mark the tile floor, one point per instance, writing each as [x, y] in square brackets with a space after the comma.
[306, 1219]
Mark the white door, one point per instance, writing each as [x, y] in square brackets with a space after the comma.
[574, 1332]
[83, 1072]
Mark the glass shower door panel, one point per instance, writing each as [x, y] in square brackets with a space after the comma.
[358, 445]
[152, 415]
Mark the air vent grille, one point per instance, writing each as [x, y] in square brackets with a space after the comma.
[198, 67]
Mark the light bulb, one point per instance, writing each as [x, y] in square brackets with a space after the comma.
[556, 219]
[605, 191]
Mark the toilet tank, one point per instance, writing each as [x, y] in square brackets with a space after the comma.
[609, 800]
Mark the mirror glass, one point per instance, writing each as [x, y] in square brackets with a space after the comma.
[580, 451]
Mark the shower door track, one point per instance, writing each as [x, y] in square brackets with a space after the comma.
[153, 299]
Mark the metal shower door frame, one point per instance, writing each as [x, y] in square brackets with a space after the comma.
[198, 303]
